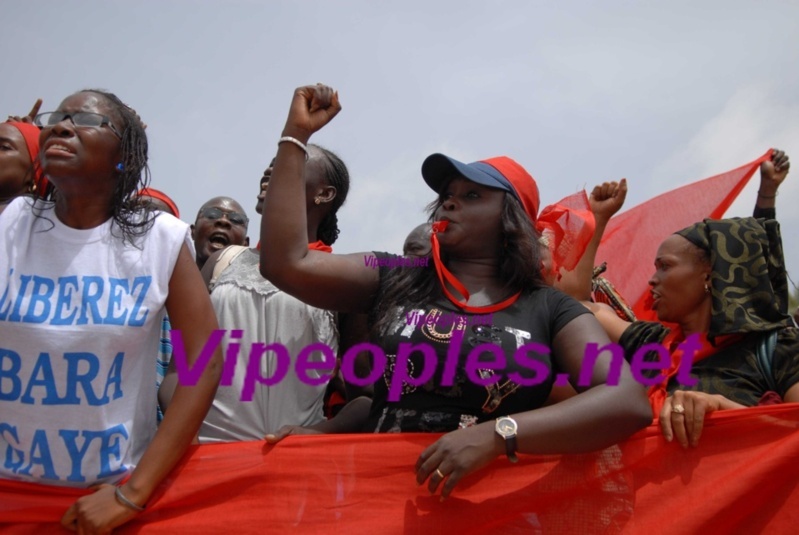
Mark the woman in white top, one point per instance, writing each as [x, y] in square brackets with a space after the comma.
[85, 279]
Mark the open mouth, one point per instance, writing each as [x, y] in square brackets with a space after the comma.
[218, 241]
[56, 148]
[654, 299]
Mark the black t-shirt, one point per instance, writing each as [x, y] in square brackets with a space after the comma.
[533, 318]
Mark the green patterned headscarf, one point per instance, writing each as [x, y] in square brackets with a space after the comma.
[749, 286]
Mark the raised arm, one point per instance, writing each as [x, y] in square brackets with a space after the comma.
[606, 199]
[772, 174]
[336, 282]
[610, 321]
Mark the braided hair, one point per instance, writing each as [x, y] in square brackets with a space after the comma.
[337, 176]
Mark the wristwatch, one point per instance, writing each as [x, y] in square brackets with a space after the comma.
[506, 428]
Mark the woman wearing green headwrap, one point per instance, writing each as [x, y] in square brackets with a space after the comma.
[721, 287]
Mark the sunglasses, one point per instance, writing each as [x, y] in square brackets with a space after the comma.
[234, 217]
[81, 118]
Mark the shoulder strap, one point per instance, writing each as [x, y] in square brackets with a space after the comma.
[765, 353]
[225, 259]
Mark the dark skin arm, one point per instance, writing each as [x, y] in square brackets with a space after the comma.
[323, 280]
[354, 329]
[772, 174]
[350, 419]
[190, 312]
[614, 326]
[606, 199]
[208, 268]
[599, 416]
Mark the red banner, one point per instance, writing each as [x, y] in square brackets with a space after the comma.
[632, 238]
[741, 479]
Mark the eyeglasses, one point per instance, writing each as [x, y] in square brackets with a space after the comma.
[234, 217]
[81, 118]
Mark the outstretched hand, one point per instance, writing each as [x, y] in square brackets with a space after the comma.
[31, 114]
[773, 172]
[312, 107]
[607, 198]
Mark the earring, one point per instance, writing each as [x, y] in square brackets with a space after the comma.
[120, 167]
[316, 200]
[707, 290]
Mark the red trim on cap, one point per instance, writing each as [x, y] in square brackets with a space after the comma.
[523, 183]
[445, 275]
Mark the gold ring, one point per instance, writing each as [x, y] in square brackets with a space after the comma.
[440, 473]
[679, 409]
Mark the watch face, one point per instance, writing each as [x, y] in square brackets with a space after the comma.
[506, 427]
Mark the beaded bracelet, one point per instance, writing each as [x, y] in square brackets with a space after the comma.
[126, 502]
[296, 141]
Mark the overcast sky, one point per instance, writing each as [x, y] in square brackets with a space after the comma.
[577, 92]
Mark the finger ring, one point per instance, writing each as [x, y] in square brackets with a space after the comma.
[679, 409]
[440, 473]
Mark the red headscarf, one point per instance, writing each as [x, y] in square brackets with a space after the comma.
[161, 196]
[568, 224]
[30, 134]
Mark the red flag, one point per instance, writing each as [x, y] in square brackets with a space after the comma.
[740, 479]
[632, 238]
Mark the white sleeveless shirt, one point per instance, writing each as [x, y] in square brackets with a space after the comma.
[80, 315]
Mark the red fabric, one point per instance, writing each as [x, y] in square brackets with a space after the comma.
[160, 195]
[632, 238]
[741, 479]
[657, 393]
[770, 398]
[523, 183]
[31, 133]
[317, 246]
[445, 276]
[569, 226]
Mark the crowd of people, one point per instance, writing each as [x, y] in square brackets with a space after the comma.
[100, 283]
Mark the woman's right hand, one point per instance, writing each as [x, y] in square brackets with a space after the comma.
[312, 107]
[606, 199]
